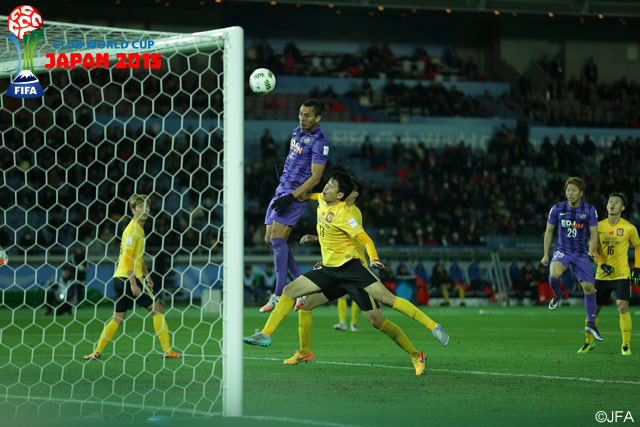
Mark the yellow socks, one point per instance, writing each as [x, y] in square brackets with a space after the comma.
[278, 314]
[355, 312]
[305, 323]
[394, 332]
[461, 293]
[589, 337]
[162, 329]
[410, 310]
[107, 335]
[342, 309]
[625, 328]
[445, 294]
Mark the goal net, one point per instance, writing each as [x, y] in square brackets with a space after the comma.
[69, 163]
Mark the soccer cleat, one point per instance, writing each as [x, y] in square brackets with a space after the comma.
[586, 348]
[591, 329]
[340, 326]
[554, 303]
[626, 350]
[419, 362]
[171, 355]
[271, 304]
[439, 334]
[93, 356]
[259, 338]
[299, 358]
[300, 302]
[354, 327]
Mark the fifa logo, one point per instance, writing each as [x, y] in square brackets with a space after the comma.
[25, 23]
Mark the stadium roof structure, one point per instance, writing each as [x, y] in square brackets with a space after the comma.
[615, 8]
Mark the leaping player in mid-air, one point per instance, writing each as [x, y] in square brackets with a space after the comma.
[303, 169]
[572, 217]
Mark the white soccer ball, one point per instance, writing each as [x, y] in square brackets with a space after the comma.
[262, 81]
[4, 258]
[23, 20]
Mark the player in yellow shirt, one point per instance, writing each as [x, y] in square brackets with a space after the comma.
[359, 297]
[129, 282]
[614, 235]
[337, 227]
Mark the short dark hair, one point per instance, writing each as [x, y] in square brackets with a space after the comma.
[317, 106]
[345, 183]
[578, 182]
[622, 197]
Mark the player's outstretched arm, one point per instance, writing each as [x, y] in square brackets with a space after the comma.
[317, 170]
[371, 250]
[308, 238]
[548, 236]
[593, 242]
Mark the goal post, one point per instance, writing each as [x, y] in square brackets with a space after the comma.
[77, 154]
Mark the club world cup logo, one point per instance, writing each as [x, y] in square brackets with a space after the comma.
[25, 23]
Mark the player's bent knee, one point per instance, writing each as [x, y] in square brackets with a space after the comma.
[623, 307]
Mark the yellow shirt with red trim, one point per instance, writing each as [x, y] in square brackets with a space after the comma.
[337, 227]
[131, 251]
[357, 214]
[613, 248]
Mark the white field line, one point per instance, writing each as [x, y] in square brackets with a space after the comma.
[157, 409]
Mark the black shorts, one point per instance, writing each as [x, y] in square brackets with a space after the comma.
[359, 296]
[352, 273]
[124, 296]
[621, 287]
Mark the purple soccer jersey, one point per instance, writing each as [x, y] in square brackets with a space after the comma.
[572, 225]
[305, 148]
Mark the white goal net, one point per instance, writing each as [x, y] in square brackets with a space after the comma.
[69, 163]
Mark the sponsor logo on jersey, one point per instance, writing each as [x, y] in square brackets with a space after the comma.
[570, 224]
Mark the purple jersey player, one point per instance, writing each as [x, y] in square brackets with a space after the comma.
[572, 218]
[308, 152]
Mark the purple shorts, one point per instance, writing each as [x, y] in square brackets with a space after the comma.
[291, 215]
[581, 264]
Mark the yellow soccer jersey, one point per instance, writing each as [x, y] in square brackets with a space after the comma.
[131, 251]
[359, 246]
[337, 228]
[613, 248]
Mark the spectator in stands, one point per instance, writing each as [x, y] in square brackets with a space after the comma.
[526, 284]
[366, 149]
[590, 71]
[269, 279]
[556, 68]
[441, 280]
[252, 287]
[58, 294]
[541, 277]
[264, 51]
[267, 147]
[5, 240]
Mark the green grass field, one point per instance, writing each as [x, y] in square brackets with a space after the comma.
[503, 366]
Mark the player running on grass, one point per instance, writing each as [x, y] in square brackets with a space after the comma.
[303, 169]
[572, 217]
[337, 228]
[614, 235]
[129, 282]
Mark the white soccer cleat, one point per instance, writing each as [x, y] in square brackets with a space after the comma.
[439, 334]
[354, 327]
[300, 302]
[340, 326]
[271, 304]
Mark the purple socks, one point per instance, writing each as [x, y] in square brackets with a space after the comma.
[555, 285]
[590, 306]
[280, 260]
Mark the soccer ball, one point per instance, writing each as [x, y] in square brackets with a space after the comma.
[262, 81]
[4, 258]
[23, 20]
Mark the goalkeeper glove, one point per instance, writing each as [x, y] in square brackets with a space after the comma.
[607, 268]
[635, 276]
[282, 203]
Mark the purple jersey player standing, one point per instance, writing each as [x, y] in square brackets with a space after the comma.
[572, 218]
[308, 152]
